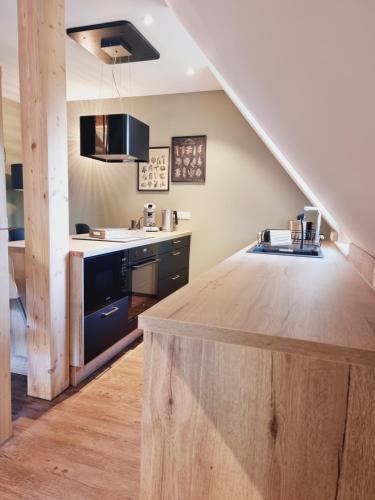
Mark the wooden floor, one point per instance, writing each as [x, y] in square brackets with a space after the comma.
[85, 445]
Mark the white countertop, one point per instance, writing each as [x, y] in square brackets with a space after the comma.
[90, 248]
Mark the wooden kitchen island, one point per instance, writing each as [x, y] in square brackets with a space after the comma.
[260, 383]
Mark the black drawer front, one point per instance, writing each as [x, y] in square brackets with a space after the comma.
[172, 283]
[105, 327]
[170, 263]
[143, 252]
[169, 245]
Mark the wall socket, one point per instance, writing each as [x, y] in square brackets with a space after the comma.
[184, 215]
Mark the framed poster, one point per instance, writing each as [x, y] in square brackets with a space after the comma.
[154, 175]
[189, 159]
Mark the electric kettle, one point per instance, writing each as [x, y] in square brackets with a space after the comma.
[169, 220]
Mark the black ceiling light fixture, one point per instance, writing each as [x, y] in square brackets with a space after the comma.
[119, 39]
[114, 138]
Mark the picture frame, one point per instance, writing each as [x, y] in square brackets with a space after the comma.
[154, 175]
[189, 159]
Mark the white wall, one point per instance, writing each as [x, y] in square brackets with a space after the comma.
[246, 189]
[305, 71]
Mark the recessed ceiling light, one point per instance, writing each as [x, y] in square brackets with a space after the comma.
[148, 19]
[190, 71]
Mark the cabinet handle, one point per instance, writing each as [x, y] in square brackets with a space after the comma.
[176, 253]
[112, 311]
[176, 242]
[176, 277]
[148, 263]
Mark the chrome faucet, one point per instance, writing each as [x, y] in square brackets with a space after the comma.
[317, 224]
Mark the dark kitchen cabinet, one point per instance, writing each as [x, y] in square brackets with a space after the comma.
[128, 280]
[173, 282]
[173, 265]
[105, 327]
[170, 245]
[171, 262]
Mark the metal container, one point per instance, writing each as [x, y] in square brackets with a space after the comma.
[308, 230]
[295, 225]
[169, 220]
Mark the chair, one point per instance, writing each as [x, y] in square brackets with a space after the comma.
[13, 289]
[17, 234]
[82, 228]
[18, 324]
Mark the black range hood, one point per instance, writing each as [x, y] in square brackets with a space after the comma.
[114, 138]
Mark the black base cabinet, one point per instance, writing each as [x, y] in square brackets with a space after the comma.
[105, 327]
[172, 262]
[173, 282]
[173, 265]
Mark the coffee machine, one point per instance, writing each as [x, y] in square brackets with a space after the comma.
[149, 217]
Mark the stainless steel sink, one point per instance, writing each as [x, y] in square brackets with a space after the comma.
[290, 250]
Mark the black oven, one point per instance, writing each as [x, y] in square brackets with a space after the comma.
[106, 279]
[143, 280]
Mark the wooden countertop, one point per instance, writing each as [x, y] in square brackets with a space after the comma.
[89, 248]
[315, 307]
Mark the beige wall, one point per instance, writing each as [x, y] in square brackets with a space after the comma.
[13, 149]
[246, 189]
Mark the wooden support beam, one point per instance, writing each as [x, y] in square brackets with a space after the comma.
[5, 396]
[41, 30]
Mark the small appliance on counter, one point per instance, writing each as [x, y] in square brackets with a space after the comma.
[296, 226]
[149, 217]
[116, 235]
[169, 220]
[109, 233]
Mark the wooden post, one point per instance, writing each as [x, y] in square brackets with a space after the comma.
[41, 31]
[5, 395]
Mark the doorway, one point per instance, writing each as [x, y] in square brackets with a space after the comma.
[17, 296]
[5, 384]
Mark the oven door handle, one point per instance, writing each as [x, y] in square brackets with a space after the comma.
[145, 264]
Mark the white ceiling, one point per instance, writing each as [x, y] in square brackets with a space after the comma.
[84, 81]
[304, 74]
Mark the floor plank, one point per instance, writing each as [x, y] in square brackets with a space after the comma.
[84, 445]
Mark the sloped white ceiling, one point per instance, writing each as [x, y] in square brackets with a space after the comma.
[305, 71]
